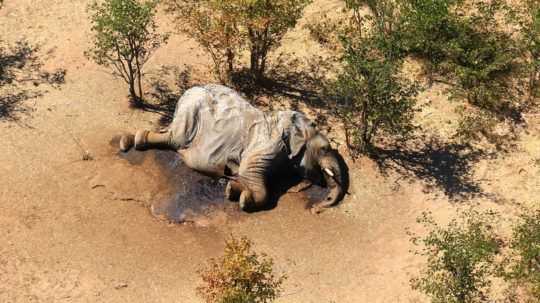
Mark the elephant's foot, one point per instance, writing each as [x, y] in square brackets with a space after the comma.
[246, 200]
[127, 142]
[231, 193]
[141, 139]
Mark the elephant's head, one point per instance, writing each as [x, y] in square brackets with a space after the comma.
[319, 162]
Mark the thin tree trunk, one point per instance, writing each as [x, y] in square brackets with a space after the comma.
[365, 130]
[140, 86]
[131, 78]
[230, 64]
[139, 79]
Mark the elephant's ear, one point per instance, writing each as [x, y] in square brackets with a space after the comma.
[302, 129]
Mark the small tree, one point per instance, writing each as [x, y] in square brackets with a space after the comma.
[372, 96]
[524, 261]
[227, 27]
[459, 258]
[373, 99]
[465, 46]
[240, 276]
[125, 37]
[215, 25]
[266, 22]
[527, 18]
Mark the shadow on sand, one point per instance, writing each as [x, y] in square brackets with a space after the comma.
[21, 73]
[445, 166]
[448, 167]
[163, 97]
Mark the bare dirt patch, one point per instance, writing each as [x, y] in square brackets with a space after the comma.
[76, 216]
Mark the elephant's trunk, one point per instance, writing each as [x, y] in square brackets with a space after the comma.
[333, 176]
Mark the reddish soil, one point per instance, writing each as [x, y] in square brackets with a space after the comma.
[75, 230]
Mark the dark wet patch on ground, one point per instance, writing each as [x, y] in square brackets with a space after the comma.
[133, 157]
[315, 194]
[191, 196]
[188, 196]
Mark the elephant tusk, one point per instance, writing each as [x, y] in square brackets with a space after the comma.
[329, 172]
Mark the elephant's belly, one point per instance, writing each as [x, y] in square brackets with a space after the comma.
[202, 162]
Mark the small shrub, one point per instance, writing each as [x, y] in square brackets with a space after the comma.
[459, 258]
[125, 35]
[524, 260]
[527, 19]
[215, 25]
[240, 276]
[372, 96]
[477, 126]
[266, 22]
[463, 45]
[323, 30]
[226, 28]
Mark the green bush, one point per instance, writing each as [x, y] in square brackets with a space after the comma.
[214, 24]
[527, 19]
[266, 22]
[240, 276]
[226, 28]
[125, 35]
[459, 256]
[464, 45]
[524, 261]
[373, 98]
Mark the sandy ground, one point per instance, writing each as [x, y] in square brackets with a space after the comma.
[82, 231]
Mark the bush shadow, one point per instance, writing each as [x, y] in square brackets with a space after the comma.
[445, 166]
[163, 97]
[295, 80]
[21, 73]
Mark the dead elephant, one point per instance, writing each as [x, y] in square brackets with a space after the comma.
[218, 133]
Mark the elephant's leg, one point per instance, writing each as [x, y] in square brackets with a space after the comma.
[246, 200]
[252, 174]
[233, 190]
[253, 197]
[145, 139]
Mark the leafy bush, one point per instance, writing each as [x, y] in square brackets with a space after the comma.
[527, 19]
[214, 24]
[372, 96]
[323, 30]
[240, 276]
[266, 22]
[459, 258]
[463, 45]
[524, 268]
[125, 37]
[226, 28]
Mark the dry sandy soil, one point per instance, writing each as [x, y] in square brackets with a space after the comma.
[83, 231]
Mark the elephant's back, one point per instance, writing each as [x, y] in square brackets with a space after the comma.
[218, 122]
[216, 102]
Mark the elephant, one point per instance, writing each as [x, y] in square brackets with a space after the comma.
[220, 134]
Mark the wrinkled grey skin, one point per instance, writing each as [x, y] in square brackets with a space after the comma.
[218, 133]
